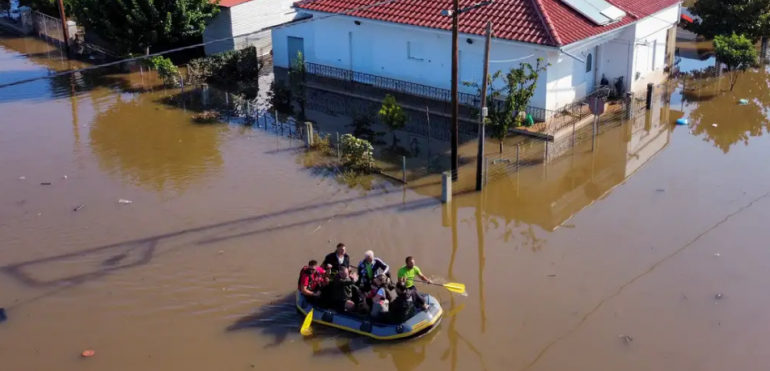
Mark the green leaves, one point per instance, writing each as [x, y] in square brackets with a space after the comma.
[725, 17]
[135, 25]
[737, 52]
[392, 115]
[357, 154]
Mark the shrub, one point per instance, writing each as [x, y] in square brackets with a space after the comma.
[357, 154]
[280, 98]
[166, 69]
[233, 67]
[322, 143]
[206, 117]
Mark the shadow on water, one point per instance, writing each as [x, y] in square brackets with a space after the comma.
[278, 319]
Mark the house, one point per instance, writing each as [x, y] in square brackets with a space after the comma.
[410, 40]
[240, 17]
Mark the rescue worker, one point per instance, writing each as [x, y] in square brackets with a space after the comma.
[407, 273]
[311, 279]
[337, 259]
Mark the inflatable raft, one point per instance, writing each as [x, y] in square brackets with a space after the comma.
[420, 324]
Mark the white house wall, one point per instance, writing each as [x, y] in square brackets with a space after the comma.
[258, 14]
[650, 42]
[218, 28]
[414, 54]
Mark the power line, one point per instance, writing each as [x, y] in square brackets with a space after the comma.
[301, 21]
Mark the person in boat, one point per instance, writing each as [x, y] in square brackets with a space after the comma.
[369, 268]
[311, 279]
[378, 298]
[337, 259]
[342, 294]
[407, 273]
[406, 304]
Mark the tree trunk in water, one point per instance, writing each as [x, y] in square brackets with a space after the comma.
[501, 147]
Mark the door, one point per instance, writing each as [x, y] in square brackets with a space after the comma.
[590, 67]
[296, 45]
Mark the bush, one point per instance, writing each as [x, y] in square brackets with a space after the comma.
[166, 69]
[280, 98]
[322, 143]
[234, 67]
[206, 117]
[357, 154]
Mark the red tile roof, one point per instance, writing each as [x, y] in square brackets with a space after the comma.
[231, 3]
[545, 22]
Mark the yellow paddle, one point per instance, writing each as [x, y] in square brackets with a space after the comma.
[305, 330]
[458, 288]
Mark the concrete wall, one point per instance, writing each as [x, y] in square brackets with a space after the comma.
[408, 53]
[247, 18]
[218, 28]
[650, 42]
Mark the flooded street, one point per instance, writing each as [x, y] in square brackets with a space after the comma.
[646, 254]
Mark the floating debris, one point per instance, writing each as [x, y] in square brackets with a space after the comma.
[682, 121]
[627, 338]
[64, 177]
[22, 177]
[551, 275]
[88, 353]
[122, 201]
[714, 125]
[718, 296]
[717, 255]
[660, 190]
[743, 102]
[78, 208]
[45, 183]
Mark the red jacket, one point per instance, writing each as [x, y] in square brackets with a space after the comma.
[308, 280]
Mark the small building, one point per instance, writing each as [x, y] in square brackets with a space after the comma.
[240, 17]
[410, 40]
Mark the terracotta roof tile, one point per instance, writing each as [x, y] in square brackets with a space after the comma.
[544, 22]
[231, 3]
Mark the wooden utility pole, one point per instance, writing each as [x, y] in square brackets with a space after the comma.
[455, 104]
[65, 31]
[484, 112]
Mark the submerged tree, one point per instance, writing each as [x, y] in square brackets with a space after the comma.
[726, 17]
[509, 95]
[297, 76]
[737, 52]
[167, 71]
[393, 116]
[135, 26]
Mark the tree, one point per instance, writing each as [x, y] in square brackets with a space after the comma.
[135, 26]
[362, 128]
[297, 75]
[725, 17]
[737, 52]
[48, 7]
[167, 71]
[5, 6]
[393, 116]
[505, 103]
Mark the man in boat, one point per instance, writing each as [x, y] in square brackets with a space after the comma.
[311, 279]
[369, 268]
[337, 259]
[407, 273]
[406, 304]
[342, 294]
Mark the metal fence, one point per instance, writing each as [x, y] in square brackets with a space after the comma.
[48, 28]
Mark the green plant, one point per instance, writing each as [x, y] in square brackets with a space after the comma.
[297, 75]
[393, 116]
[135, 26]
[750, 18]
[505, 104]
[357, 154]
[167, 71]
[233, 67]
[362, 128]
[737, 52]
[279, 97]
[206, 117]
[322, 144]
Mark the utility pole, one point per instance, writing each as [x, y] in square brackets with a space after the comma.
[65, 32]
[455, 104]
[484, 112]
[454, 130]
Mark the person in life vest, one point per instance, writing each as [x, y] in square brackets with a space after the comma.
[311, 279]
[369, 268]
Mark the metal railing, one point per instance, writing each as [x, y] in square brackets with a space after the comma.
[48, 28]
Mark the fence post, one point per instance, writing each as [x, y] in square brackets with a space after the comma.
[181, 82]
[596, 122]
[518, 150]
[308, 134]
[650, 88]
[573, 133]
[205, 94]
[427, 116]
[339, 153]
[486, 170]
[403, 169]
[276, 120]
[545, 154]
[446, 187]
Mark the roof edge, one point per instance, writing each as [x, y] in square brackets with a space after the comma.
[549, 27]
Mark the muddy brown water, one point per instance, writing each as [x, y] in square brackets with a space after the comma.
[195, 273]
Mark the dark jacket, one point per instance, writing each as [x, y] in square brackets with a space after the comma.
[338, 291]
[405, 306]
[331, 259]
[378, 266]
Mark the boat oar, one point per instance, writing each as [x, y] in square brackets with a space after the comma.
[305, 329]
[451, 286]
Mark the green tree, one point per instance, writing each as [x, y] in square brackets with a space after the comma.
[135, 26]
[393, 116]
[167, 71]
[362, 128]
[737, 52]
[48, 7]
[297, 75]
[508, 95]
[726, 17]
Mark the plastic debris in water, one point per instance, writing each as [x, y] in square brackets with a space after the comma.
[22, 177]
[78, 208]
[714, 125]
[3, 317]
[743, 102]
[626, 338]
[718, 296]
[124, 201]
[682, 121]
[717, 255]
[88, 353]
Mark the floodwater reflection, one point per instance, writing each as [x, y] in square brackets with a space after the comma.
[146, 144]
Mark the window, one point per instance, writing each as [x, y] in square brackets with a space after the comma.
[589, 63]
[414, 50]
